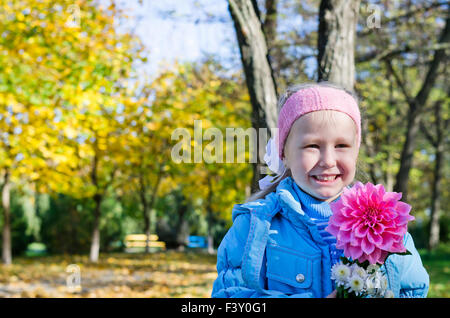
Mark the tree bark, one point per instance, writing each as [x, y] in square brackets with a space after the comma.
[416, 106]
[142, 194]
[6, 195]
[270, 32]
[270, 22]
[336, 41]
[433, 240]
[147, 205]
[95, 244]
[209, 217]
[183, 208]
[439, 144]
[257, 69]
[389, 177]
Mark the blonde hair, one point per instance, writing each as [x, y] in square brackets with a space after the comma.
[360, 174]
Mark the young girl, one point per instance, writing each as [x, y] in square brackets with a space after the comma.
[277, 246]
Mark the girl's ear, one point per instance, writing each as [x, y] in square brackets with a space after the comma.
[285, 163]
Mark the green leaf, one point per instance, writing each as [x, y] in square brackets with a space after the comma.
[364, 264]
[403, 253]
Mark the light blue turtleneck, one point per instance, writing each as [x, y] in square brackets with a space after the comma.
[319, 212]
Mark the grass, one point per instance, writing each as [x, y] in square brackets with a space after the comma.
[437, 264]
[164, 275]
[157, 275]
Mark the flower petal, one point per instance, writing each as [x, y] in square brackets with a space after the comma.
[392, 196]
[375, 256]
[388, 240]
[369, 222]
[336, 206]
[344, 236]
[402, 208]
[347, 225]
[361, 230]
[398, 247]
[354, 252]
[366, 246]
[380, 190]
[378, 228]
[332, 229]
[374, 238]
[383, 256]
[372, 192]
[346, 211]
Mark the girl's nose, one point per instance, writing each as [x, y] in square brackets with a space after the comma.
[327, 158]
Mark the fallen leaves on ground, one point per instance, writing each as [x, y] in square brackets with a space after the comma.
[157, 275]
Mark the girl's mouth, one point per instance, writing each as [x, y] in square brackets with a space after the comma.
[327, 180]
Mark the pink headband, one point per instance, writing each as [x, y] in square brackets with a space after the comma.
[313, 99]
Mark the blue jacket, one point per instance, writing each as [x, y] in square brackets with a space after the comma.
[274, 249]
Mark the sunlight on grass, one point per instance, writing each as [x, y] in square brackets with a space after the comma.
[157, 275]
[165, 275]
[437, 264]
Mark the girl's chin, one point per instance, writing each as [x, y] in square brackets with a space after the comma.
[328, 196]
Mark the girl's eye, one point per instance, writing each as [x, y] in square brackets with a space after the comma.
[313, 145]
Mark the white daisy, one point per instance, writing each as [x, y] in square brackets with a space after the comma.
[355, 284]
[383, 282]
[376, 284]
[357, 270]
[340, 273]
[372, 269]
[370, 286]
[389, 294]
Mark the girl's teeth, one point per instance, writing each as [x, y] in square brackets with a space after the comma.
[325, 178]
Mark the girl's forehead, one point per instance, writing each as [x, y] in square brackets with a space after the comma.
[324, 123]
[315, 120]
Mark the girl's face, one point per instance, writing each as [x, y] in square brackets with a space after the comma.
[322, 143]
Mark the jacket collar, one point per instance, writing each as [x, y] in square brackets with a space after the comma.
[294, 201]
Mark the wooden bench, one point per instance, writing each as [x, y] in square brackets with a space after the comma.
[136, 243]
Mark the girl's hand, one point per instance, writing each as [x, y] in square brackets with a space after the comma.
[333, 294]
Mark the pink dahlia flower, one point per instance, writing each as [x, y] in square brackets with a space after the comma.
[369, 223]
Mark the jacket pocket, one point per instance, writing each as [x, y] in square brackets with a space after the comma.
[289, 267]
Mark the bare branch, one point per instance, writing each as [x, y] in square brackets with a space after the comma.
[378, 55]
[399, 81]
[402, 16]
[427, 134]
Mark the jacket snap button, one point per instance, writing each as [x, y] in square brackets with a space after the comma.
[300, 278]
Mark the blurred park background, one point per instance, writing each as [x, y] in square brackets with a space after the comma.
[92, 91]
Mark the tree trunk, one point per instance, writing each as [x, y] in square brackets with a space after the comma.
[406, 158]
[6, 195]
[389, 176]
[147, 206]
[371, 152]
[145, 210]
[95, 244]
[336, 41]
[181, 234]
[257, 69]
[270, 32]
[270, 23]
[416, 106]
[433, 240]
[209, 218]
[435, 207]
